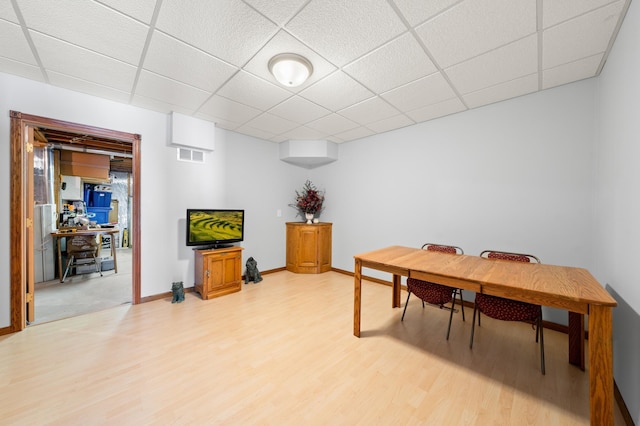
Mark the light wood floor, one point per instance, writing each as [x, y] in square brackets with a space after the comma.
[282, 352]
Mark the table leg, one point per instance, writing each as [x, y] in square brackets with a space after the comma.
[357, 293]
[601, 400]
[113, 254]
[576, 339]
[395, 302]
[60, 272]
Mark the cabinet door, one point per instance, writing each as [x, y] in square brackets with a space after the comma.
[224, 270]
[215, 271]
[324, 249]
[232, 269]
[308, 247]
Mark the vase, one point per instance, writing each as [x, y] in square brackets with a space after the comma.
[309, 217]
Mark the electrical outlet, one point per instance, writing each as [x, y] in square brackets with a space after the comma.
[278, 213]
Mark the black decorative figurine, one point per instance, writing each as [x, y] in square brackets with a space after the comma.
[178, 292]
[252, 272]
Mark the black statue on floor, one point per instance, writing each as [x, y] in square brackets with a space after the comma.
[252, 272]
[178, 292]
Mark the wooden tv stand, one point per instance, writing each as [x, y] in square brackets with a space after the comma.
[218, 271]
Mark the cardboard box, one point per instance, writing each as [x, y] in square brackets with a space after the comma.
[84, 165]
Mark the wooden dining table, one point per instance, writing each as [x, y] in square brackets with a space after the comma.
[569, 288]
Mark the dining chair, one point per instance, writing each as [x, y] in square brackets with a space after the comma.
[82, 247]
[506, 309]
[436, 294]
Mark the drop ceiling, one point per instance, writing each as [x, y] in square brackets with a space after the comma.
[378, 65]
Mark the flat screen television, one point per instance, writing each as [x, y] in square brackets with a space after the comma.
[214, 228]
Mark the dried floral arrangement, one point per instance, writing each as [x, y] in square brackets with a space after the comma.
[309, 200]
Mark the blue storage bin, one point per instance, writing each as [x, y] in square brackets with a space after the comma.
[100, 214]
[100, 199]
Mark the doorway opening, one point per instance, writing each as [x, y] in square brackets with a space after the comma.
[27, 133]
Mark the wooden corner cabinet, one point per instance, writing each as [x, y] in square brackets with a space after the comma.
[308, 247]
[218, 271]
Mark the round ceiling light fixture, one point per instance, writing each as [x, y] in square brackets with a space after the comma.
[290, 69]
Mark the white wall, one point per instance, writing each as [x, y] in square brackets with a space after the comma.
[262, 185]
[168, 187]
[618, 202]
[513, 176]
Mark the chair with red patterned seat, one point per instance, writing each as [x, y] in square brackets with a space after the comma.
[432, 293]
[506, 309]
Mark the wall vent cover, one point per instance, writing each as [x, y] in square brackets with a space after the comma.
[190, 155]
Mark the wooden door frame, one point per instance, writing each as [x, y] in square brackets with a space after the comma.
[18, 245]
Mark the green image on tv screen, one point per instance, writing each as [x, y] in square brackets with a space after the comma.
[206, 225]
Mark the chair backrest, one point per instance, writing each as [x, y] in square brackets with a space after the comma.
[504, 255]
[442, 248]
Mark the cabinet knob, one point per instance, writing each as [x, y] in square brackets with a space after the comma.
[207, 273]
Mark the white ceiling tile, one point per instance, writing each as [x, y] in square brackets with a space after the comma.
[65, 58]
[219, 122]
[179, 61]
[332, 124]
[426, 91]
[158, 105]
[88, 24]
[228, 110]
[170, 91]
[573, 71]
[31, 72]
[503, 64]
[487, 24]
[302, 133]
[253, 91]
[272, 124]
[139, 9]
[417, 11]
[390, 123]
[396, 63]
[13, 45]
[284, 42]
[279, 11]
[429, 112]
[299, 110]
[554, 12]
[369, 111]
[580, 37]
[83, 86]
[228, 29]
[256, 133]
[353, 134]
[324, 92]
[7, 12]
[342, 31]
[511, 89]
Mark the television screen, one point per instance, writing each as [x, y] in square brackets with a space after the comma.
[214, 227]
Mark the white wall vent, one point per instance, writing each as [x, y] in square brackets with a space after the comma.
[190, 155]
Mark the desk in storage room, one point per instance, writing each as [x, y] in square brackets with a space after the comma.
[309, 247]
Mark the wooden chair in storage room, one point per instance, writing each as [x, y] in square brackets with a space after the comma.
[82, 247]
[506, 309]
[436, 294]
